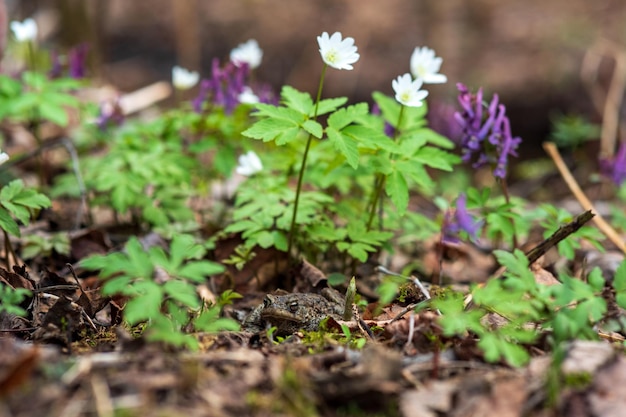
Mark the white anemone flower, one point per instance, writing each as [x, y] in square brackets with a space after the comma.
[425, 65]
[247, 96]
[249, 164]
[247, 53]
[24, 31]
[3, 157]
[408, 90]
[184, 79]
[337, 52]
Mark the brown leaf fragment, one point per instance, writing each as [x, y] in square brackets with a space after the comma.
[15, 280]
[19, 371]
[429, 401]
[312, 274]
[608, 391]
[586, 356]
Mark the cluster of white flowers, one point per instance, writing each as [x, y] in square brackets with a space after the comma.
[425, 67]
[341, 53]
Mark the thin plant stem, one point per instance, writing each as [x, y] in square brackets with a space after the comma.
[380, 180]
[292, 228]
[505, 192]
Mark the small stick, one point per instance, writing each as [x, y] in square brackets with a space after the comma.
[604, 227]
[562, 232]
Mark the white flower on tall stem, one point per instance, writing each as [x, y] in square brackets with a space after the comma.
[247, 53]
[247, 96]
[337, 52]
[408, 90]
[3, 157]
[24, 31]
[184, 79]
[249, 164]
[425, 65]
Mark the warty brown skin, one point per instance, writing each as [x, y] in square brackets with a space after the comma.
[293, 312]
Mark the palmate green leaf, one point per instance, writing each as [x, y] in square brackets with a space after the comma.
[210, 321]
[328, 105]
[345, 145]
[296, 100]
[619, 280]
[370, 138]
[357, 250]
[347, 115]
[183, 292]
[198, 271]
[8, 224]
[436, 158]
[280, 130]
[279, 113]
[417, 173]
[146, 304]
[389, 107]
[314, 128]
[434, 138]
[496, 348]
[53, 113]
[516, 264]
[398, 191]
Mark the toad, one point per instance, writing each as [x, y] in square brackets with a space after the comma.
[295, 311]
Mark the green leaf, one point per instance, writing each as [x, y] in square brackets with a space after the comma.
[198, 271]
[436, 158]
[294, 99]
[398, 190]
[619, 281]
[183, 292]
[345, 116]
[330, 104]
[8, 224]
[53, 113]
[345, 145]
[313, 128]
[280, 130]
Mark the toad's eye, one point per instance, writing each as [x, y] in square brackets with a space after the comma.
[293, 306]
[267, 302]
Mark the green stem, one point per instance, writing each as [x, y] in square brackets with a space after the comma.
[292, 228]
[505, 192]
[379, 184]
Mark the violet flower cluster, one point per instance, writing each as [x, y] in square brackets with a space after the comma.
[615, 167]
[76, 62]
[490, 123]
[228, 87]
[459, 220]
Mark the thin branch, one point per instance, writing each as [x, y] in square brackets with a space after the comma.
[604, 227]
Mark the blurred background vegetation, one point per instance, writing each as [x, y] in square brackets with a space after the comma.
[528, 51]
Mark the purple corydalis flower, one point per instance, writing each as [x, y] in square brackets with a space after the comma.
[110, 114]
[615, 167]
[459, 220]
[226, 85]
[77, 57]
[492, 125]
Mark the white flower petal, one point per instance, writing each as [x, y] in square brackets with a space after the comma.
[425, 65]
[408, 90]
[249, 164]
[24, 31]
[337, 52]
[3, 157]
[247, 96]
[184, 79]
[247, 53]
